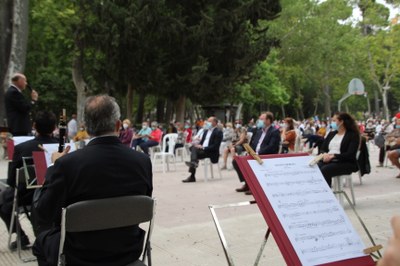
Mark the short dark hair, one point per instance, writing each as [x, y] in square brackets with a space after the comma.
[101, 114]
[45, 122]
[269, 115]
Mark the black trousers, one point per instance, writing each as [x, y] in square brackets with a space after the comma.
[236, 167]
[46, 247]
[195, 155]
[332, 169]
[6, 209]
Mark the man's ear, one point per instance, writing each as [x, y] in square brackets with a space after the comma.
[118, 126]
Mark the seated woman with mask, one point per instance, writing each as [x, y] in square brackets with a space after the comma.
[340, 147]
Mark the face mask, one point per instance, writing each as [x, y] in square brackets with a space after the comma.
[334, 126]
[144, 126]
[125, 126]
[397, 126]
[284, 126]
[186, 126]
[81, 129]
[260, 124]
[207, 125]
[238, 125]
[154, 128]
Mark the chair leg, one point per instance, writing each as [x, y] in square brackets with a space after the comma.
[205, 170]
[350, 180]
[212, 170]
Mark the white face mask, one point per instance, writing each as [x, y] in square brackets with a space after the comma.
[125, 126]
[144, 126]
[238, 125]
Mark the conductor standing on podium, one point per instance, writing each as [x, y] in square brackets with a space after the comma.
[17, 107]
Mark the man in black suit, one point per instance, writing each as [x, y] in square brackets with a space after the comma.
[266, 141]
[17, 107]
[45, 123]
[105, 168]
[208, 147]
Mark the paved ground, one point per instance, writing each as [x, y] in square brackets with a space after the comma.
[185, 235]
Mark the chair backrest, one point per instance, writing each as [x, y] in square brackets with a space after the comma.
[26, 174]
[169, 141]
[109, 213]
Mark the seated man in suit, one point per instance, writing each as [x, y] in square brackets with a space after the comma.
[265, 141]
[207, 148]
[104, 168]
[45, 123]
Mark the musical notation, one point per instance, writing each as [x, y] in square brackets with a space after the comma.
[308, 211]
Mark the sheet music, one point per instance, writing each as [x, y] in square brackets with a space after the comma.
[20, 139]
[50, 148]
[311, 216]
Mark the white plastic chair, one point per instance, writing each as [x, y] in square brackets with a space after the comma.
[207, 162]
[164, 156]
[338, 184]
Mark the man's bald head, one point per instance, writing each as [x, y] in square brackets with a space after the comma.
[19, 81]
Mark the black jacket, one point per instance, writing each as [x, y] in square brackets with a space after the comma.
[270, 144]
[212, 149]
[105, 168]
[348, 147]
[17, 110]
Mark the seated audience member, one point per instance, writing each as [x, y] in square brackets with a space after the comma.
[386, 136]
[180, 141]
[288, 136]
[265, 141]
[391, 257]
[126, 133]
[44, 124]
[188, 132]
[236, 147]
[154, 138]
[207, 148]
[82, 133]
[105, 168]
[393, 144]
[228, 135]
[141, 136]
[340, 147]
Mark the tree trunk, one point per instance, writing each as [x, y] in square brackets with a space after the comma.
[129, 102]
[79, 81]
[160, 110]
[140, 110]
[327, 101]
[376, 103]
[385, 104]
[14, 28]
[168, 112]
[180, 109]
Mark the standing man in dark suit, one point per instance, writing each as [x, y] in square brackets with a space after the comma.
[266, 141]
[17, 107]
[44, 124]
[105, 168]
[208, 147]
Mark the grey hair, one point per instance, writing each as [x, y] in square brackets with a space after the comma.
[154, 124]
[101, 114]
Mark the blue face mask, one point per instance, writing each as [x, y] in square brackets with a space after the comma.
[207, 125]
[334, 126]
[397, 126]
[260, 124]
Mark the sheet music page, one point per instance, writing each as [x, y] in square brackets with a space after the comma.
[311, 216]
[50, 148]
[21, 139]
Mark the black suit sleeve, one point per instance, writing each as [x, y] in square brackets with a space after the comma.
[18, 101]
[52, 196]
[349, 147]
[272, 145]
[215, 141]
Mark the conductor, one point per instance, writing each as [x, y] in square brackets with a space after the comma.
[17, 107]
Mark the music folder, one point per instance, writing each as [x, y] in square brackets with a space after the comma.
[309, 226]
